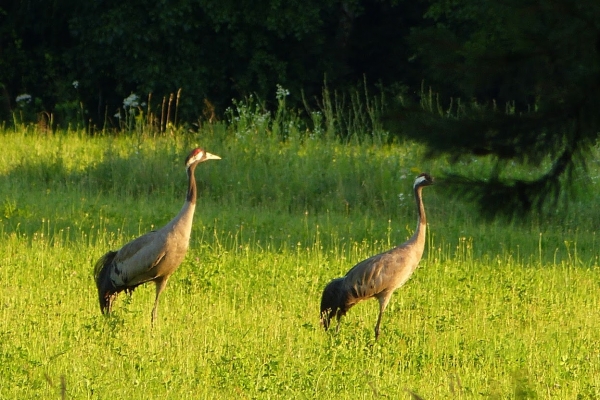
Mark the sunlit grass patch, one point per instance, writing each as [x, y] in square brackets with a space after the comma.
[495, 310]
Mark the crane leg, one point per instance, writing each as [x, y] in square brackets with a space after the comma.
[383, 301]
[160, 286]
[377, 325]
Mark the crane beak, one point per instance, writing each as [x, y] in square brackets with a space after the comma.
[208, 156]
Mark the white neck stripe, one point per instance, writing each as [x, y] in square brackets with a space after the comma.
[419, 180]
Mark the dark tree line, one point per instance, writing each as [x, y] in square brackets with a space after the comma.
[213, 50]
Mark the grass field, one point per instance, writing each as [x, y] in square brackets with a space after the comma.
[496, 309]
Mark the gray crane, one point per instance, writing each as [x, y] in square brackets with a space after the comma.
[380, 275]
[152, 257]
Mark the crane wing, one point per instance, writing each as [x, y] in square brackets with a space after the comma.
[376, 274]
[131, 248]
[365, 277]
[135, 260]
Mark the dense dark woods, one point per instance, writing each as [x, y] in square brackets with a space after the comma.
[528, 73]
[515, 81]
[213, 50]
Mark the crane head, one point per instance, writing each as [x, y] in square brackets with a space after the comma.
[198, 155]
[423, 179]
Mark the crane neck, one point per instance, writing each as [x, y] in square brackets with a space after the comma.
[420, 207]
[192, 190]
[419, 234]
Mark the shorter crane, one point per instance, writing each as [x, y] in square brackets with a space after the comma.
[380, 275]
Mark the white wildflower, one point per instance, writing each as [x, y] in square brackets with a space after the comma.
[24, 98]
[281, 92]
[75, 84]
[131, 101]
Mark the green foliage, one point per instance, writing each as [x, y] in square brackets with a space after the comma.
[529, 52]
[36, 54]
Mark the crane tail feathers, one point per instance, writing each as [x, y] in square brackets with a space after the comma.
[106, 289]
[332, 302]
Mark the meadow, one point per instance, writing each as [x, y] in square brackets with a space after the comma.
[497, 309]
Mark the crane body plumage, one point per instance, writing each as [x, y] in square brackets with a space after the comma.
[154, 256]
[380, 275]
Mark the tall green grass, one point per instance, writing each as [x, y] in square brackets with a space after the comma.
[496, 310]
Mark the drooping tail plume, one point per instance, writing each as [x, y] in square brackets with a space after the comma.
[332, 302]
[106, 289]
